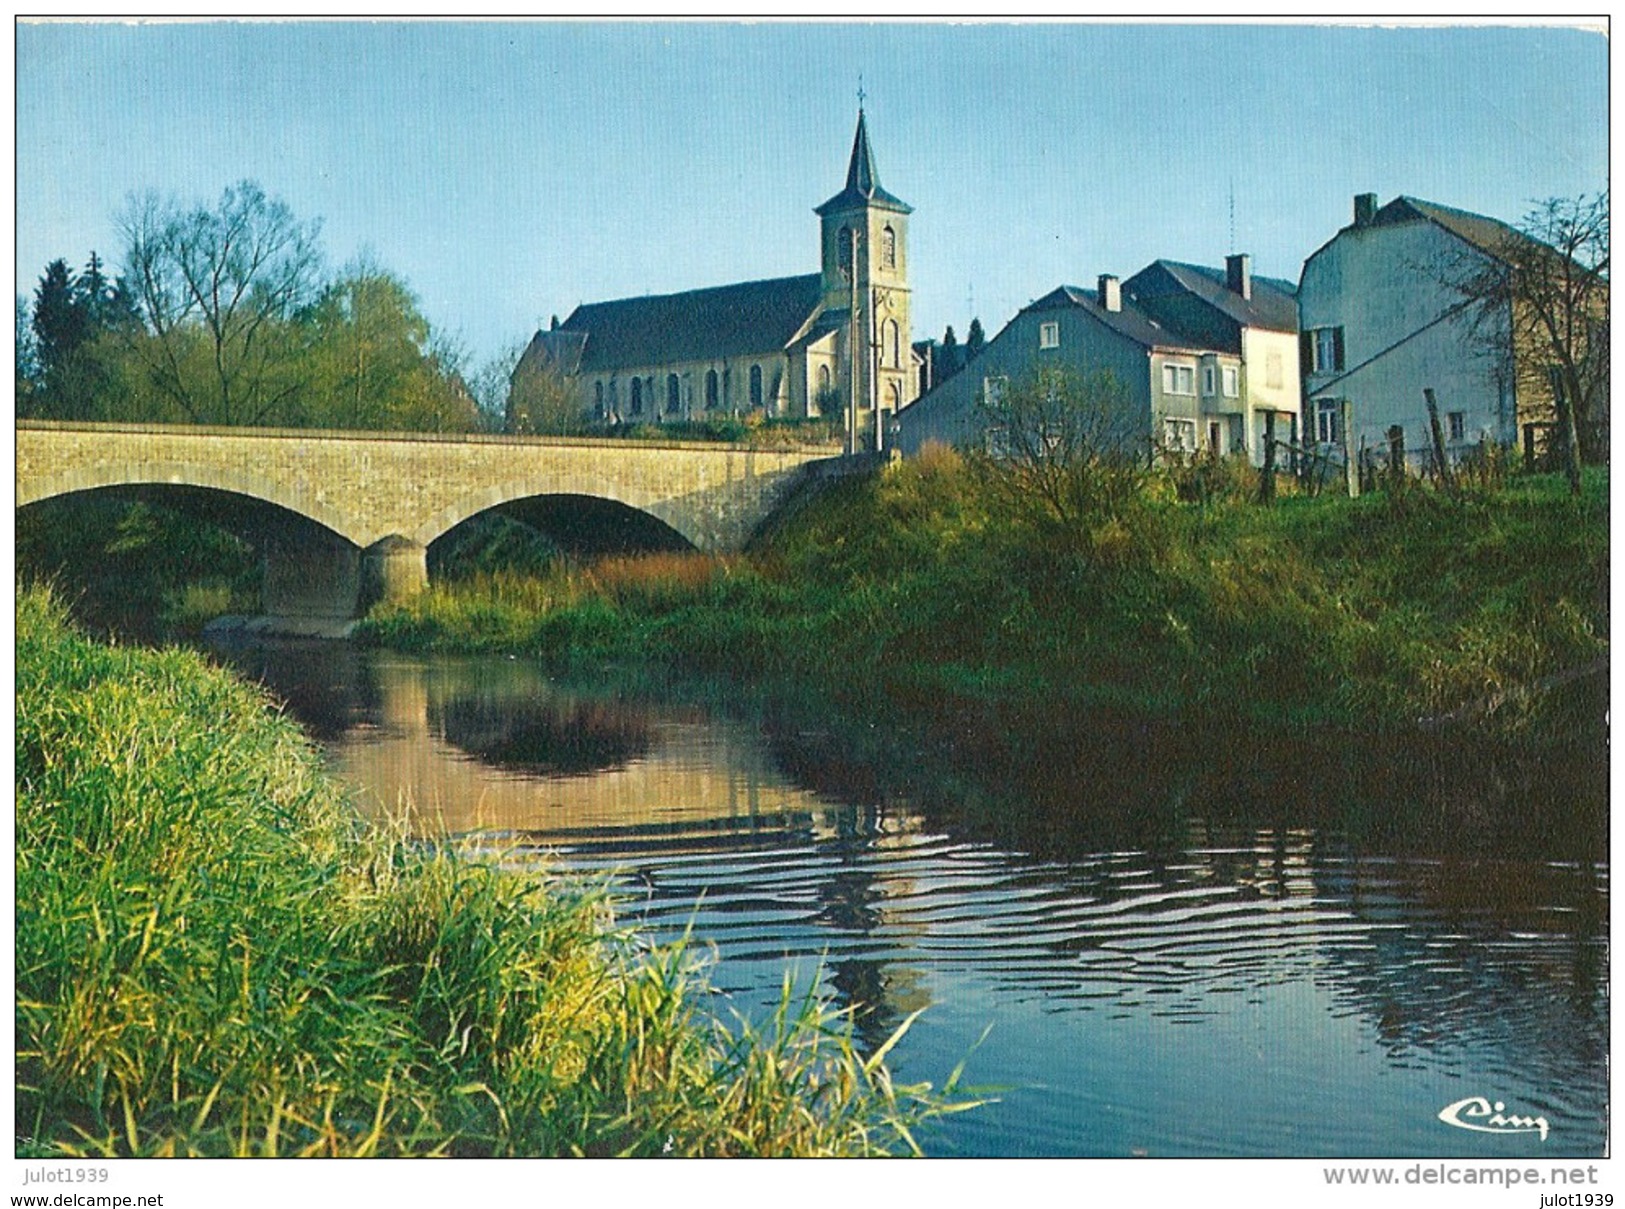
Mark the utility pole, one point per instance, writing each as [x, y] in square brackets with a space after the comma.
[854, 347]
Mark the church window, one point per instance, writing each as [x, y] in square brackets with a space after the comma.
[843, 249]
[756, 386]
[888, 249]
[823, 377]
[637, 396]
[614, 395]
[598, 399]
[674, 395]
[889, 344]
[711, 389]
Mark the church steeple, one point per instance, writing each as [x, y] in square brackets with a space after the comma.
[865, 283]
[863, 181]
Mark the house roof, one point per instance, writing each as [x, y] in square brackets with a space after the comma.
[696, 325]
[1486, 234]
[1130, 321]
[863, 181]
[1274, 304]
[557, 348]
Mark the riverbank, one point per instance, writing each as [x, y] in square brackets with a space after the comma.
[215, 957]
[927, 582]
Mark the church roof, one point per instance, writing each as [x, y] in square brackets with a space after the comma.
[862, 181]
[696, 325]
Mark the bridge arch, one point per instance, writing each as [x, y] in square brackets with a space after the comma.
[233, 481]
[665, 510]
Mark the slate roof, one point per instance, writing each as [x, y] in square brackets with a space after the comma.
[1486, 234]
[862, 181]
[557, 348]
[1130, 321]
[696, 325]
[1273, 306]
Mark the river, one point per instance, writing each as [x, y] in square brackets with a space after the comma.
[1141, 939]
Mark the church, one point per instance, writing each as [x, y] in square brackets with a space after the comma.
[777, 348]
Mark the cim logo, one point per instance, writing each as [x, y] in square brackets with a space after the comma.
[1478, 1114]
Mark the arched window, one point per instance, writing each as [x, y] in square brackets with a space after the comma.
[888, 249]
[614, 396]
[674, 395]
[756, 386]
[896, 393]
[598, 399]
[888, 345]
[843, 249]
[637, 396]
[711, 389]
[823, 378]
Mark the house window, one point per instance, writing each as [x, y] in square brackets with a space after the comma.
[1231, 378]
[1274, 374]
[711, 389]
[1328, 421]
[1179, 435]
[888, 249]
[1458, 425]
[993, 390]
[756, 386]
[674, 395]
[1178, 380]
[1049, 335]
[1326, 346]
[1209, 383]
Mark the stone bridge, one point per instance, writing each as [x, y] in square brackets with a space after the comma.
[368, 504]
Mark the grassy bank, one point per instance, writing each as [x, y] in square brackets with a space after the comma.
[928, 579]
[214, 957]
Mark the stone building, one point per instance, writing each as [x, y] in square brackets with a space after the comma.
[781, 347]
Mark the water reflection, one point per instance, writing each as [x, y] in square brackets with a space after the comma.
[1179, 946]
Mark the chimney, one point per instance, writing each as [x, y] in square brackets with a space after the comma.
[1365, 209]
[1110, 292]
[1238, 274]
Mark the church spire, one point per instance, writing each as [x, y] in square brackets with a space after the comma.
[862, 181]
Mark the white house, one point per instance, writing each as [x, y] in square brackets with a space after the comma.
[1381, 322]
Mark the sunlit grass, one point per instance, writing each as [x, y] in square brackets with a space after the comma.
[1402, 605]
[214, 957]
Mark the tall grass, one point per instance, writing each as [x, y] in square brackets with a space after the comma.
[215, 958]
[926, 579]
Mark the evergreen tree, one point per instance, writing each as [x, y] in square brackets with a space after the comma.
[974, 339]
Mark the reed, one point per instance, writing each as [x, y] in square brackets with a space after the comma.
[214, 957]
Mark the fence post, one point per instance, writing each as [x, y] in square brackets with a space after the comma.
[1266, 478]
[1351, 469]
[1440, 460]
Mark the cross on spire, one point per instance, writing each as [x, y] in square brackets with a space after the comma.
[861, 93]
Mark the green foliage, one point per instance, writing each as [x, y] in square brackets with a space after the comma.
[935, 576]
[215, 958]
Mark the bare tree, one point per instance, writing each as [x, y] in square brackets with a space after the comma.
[542, 397]
[1539, 303]
[1072, 445]
[218, 291]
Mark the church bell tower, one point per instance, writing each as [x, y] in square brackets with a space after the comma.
[864, 232]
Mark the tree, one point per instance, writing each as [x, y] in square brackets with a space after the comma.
[374, 361]
[72, 369]
[974, 339]
[221, 293]
[1539, 304]
[542, 398]
[1070, 446]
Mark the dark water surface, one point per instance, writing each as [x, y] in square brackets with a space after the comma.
[1176, 942]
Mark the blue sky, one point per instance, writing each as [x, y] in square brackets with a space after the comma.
[510, 171]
